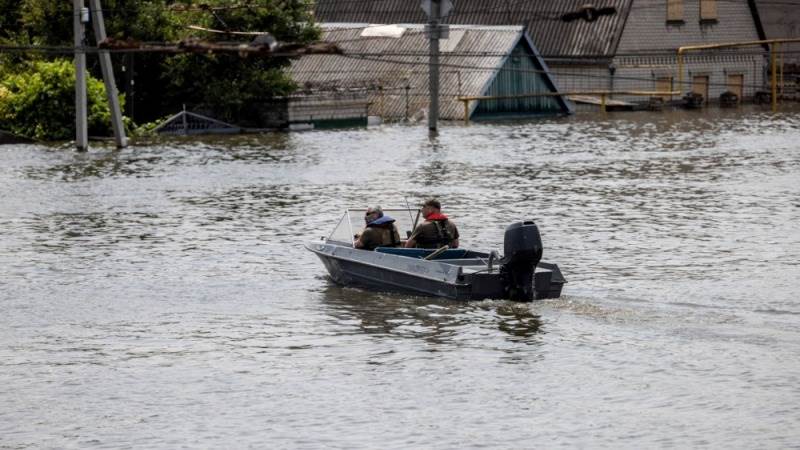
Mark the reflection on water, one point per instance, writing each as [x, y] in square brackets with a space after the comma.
[159, 296]
[437, 321]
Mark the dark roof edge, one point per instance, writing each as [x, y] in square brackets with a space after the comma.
[757, 19]
[618, 35]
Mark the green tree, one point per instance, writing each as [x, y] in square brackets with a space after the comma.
[40, 102]
[227, 84]
[223, 84]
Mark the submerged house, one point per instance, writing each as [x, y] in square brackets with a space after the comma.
[781, 20]
[389, 64]
[632, 48]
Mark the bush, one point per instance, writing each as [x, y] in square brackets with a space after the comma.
[39, 102]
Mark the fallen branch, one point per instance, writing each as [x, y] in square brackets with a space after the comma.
[195, 45]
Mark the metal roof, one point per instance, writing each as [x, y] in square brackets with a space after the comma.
[395, 70]
[779, 19]
[541, 18]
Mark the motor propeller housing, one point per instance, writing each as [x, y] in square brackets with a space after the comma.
[522, 248]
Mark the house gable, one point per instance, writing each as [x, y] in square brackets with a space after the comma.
[522, 72]
[393, 71]
[652, 25]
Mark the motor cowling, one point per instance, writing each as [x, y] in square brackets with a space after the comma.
[522, 249]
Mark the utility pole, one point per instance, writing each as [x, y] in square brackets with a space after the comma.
[108, 75]
[436, 11]
[81, 16]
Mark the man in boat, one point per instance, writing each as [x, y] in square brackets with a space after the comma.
[436, 231]
[379, 232]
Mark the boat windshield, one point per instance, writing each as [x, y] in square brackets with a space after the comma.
[352, 222]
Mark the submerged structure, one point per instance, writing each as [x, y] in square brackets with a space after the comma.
[390, 64]
[632, 46]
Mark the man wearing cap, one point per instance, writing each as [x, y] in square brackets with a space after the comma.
[380, 231]
[437, 230]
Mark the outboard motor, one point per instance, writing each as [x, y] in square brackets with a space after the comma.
[522, 248]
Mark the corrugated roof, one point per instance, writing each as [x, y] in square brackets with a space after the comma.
[541, 18]
[386, 66]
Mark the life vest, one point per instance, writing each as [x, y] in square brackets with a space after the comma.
[386, 225]
[443, 236]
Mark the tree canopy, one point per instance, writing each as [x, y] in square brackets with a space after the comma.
[158, 83]
[39, 102]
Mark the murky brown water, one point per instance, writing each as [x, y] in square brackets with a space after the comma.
[160, 297]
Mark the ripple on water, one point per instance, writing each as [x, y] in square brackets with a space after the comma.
[159, 295]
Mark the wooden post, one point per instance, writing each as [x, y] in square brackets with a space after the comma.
[408, 88]
[780, 71]
[185, 121]
[603, 102]
[383, 102]
[774, 76]
[466, 110]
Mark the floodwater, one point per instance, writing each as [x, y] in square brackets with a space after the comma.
[160, 297]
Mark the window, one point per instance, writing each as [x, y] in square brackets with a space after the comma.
[674, 10]
[708, 10]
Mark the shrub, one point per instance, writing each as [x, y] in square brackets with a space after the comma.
[39, 102]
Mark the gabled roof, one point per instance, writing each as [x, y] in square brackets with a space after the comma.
[385, 66]
[777, 19]
[541, 18]
[185, 123]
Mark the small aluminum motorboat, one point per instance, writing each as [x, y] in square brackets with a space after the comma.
[459, 274]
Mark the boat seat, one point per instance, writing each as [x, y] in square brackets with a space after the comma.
[419, 253]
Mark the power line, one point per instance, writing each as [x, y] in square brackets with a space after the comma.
[176, 47]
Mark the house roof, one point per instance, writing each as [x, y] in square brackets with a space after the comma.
[385, 66]
[541, 18]
[779, 19]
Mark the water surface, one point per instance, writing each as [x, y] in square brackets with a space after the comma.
[159, 296]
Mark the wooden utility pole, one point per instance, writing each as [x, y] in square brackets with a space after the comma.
[773, 69]
[81, 15]
[108, 75]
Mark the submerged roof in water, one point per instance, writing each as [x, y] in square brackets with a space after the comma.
[391, 63]
[542, 19]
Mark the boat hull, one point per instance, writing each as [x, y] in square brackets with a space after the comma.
[387, 272]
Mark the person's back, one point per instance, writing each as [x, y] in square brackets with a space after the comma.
[379, 232]
[437, 230]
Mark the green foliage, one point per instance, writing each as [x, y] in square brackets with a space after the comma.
[148, 21]
[287, 20]
[9, 15]
[46, 22]
[39, 102]
[222, 84]
[228, 84]
[147, 129]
